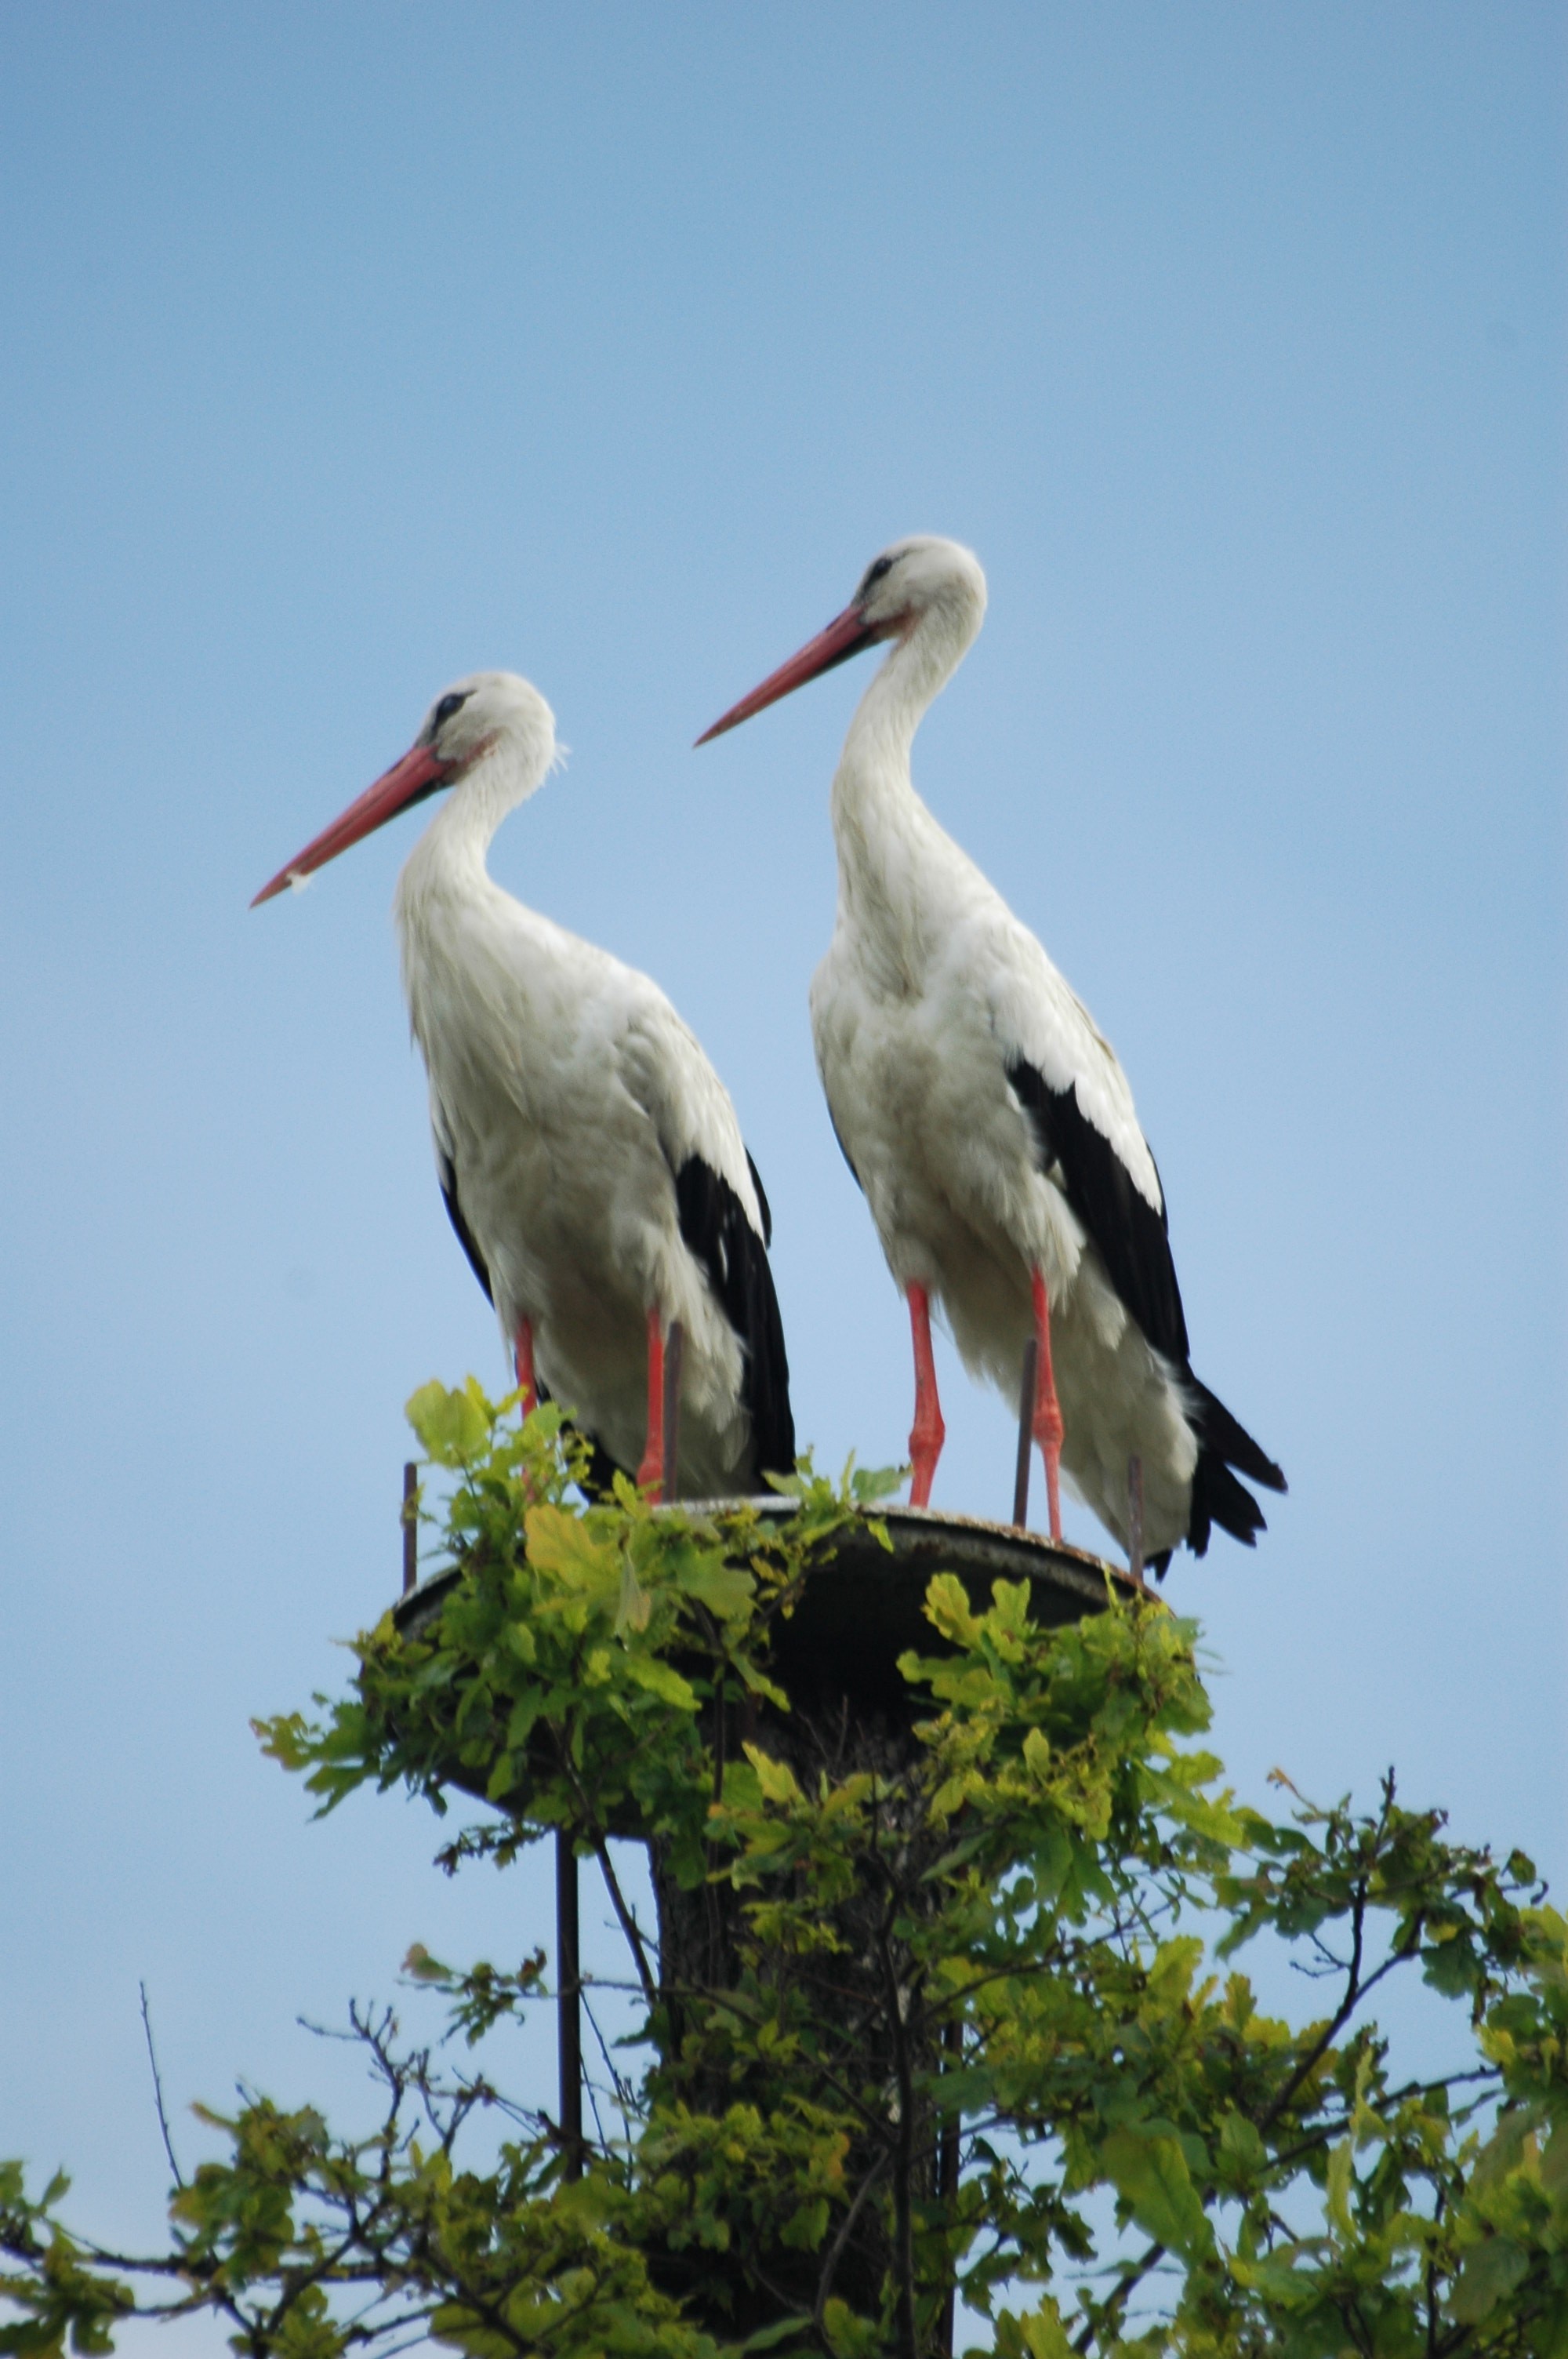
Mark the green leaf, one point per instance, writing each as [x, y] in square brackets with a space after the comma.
[768, 2338]
[1040, 2335]
[660, 1680]
[947, 1606]
[633, 1606]
[777, 1779]
[562, 1545]
[1340, 2178]
[421, 1967]
[1241, 2147]
[848, 2337]
[1490, 2273]
[725, 1589]
[453, 1426]
[1152, 2176]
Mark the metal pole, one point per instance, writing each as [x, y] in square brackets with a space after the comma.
[1135, 1516]
[1025, 1435]
[568, 2003]
[947, 2166]
[410, 1527]
[674, 1352]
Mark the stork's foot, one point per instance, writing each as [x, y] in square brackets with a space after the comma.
[927, 1434]
[1049, 1430]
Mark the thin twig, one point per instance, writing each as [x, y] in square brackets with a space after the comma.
[1356, 1991]
[157, 2089]
[1117, 2301]
[620, 2087]
[628, 1922]
[835, 2250]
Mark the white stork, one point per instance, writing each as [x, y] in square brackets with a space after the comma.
[987, 1121]
[587, 1152]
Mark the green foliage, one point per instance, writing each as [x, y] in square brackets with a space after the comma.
[954, 2007]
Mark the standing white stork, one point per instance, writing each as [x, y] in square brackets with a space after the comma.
[987, 1121]
[587, 1152]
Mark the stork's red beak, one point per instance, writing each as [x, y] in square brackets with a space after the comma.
[845, 636]
[418, 774]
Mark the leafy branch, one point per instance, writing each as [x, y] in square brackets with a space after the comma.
[946, 2005]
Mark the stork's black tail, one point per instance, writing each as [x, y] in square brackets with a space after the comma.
[1217, 1497]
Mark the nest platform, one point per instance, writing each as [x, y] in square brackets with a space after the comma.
[859, 1607]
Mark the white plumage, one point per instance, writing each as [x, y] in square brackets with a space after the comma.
[589, 1154]
[987, 1119]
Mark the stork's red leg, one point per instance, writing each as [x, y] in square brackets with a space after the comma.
[526, 1384]
[1048, 1426]
[928, 1433]
[651, 1473]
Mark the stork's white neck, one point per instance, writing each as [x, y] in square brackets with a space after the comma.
[884, 835]
[447, 903]
[452, 850]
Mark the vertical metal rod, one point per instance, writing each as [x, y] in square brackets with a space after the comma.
[410, 1525]
[1025, 1435]
[674, 1352]
[568, 2003]
[1135, 1516]
[947, 2171]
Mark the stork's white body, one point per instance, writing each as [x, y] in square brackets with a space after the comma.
[930, 986]
[589, 1154]
[987, 1119]
[565, 1092]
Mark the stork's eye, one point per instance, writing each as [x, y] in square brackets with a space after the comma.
[447, 706]
[875, 573]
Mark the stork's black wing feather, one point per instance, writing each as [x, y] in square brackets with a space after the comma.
[1132, 1242]
[447, 1172]
[845, 1152]
[715, 1228]
[603, 1469]
[763, 1205]
[1129, 1233]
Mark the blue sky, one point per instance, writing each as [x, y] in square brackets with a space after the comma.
[346, 351]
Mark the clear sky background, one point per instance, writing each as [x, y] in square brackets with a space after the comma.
[346, 350]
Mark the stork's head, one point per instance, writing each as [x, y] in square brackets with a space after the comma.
[485, 710]
[492, 726]
[911, 576]
[923, 581]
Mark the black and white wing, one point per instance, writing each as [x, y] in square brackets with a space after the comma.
[1076, 1097]
[603, 1469]
[723, 1215]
